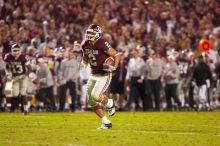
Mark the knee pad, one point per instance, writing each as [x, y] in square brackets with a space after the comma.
[95, 96]
[90, 100]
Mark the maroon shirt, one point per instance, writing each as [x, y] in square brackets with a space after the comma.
[17, 66]
[96, 54]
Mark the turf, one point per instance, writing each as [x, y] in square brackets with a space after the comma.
[129, 129]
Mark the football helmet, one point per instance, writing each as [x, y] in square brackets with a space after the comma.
[16, 50]
[93, 32]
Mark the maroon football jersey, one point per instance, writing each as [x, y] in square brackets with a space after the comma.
[184, 67]
[17, 66]
[96, 54]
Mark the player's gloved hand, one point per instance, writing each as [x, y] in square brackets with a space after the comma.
[109, 68]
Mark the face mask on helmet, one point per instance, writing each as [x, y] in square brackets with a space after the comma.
[93, 32]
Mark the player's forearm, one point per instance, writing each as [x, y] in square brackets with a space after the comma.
[117, 59]
[85, 60]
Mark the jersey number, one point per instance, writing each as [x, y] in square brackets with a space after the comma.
[183, 68]
[92, 60]
[17, 69]
[108, 45]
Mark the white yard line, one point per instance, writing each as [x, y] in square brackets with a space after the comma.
[40, 143]
[217, 126]
[167, 132]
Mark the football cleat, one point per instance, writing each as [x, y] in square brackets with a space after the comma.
[105, 126]
[111, 110]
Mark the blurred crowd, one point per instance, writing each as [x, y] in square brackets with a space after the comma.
[150, 29]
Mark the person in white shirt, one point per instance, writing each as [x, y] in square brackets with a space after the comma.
[171, 78]
[45, 84]
[135, 76]
[68, 74]
[154, 66]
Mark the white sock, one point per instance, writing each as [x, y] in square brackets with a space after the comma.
[41, 104]
[28, 104]
[57, 105]
[109, 103]
[66, 106]
[105, 120]
[25, 107]
[182, 100]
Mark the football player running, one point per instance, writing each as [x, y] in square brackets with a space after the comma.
[17, 68]
[96, 50]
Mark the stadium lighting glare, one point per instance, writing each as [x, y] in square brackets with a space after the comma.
[146, 2]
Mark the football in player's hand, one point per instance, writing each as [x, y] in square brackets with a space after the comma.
[108, 62]
[36, 82]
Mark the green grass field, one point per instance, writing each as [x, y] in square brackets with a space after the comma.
[129, 129]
